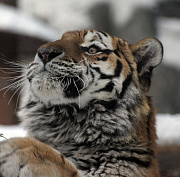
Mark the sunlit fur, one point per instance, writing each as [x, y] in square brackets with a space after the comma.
[90, 103]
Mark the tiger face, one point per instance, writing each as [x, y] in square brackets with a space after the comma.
[91, 65]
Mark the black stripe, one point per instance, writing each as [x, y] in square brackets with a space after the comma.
[103, 33]
[92, 75]
[99, 36]
[103, 43]
[102, 76]
[92, 40]
[126, 84]
[118, 68]
[84, 48]
[130, 151]
[108, 88]
[149, 119]
[87, 69]
[109, 105]
[74, 60]
[97, 69]
[127, 61]
[64, 65]
[101, 40]
[31, 104]
[85, 34]
[141, 152]
[107, 51]
[102, 59]
[142, 163]
[117, 53]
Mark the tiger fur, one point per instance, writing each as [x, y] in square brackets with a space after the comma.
[85, 96]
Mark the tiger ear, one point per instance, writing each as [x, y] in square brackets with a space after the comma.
[148, 54]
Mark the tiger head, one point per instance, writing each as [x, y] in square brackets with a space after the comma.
[89, 65]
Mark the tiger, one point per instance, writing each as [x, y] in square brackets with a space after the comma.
[86, 108]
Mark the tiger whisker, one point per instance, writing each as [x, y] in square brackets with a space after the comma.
[16, 69]
[65, 86]
[10, 72]
[18, 100]
[63, 77]
[69, 82]
[14, 85]
[13, 63]
[79, 97]
[11, 79]
[9, 89]
[81, 61]
[84, 84]
[14, 94]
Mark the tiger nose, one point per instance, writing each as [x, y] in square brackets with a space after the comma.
[47, 54]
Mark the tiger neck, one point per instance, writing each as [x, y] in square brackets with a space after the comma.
[99, 123]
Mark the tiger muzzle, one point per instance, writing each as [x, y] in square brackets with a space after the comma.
[46, 54]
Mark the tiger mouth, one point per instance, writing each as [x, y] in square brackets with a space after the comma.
[70, 80]
[72, 86]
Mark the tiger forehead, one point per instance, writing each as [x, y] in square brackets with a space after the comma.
[99, 38]
[74, 36]
[86, 38]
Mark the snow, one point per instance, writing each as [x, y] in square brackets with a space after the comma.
[168, 129]
[12, 131]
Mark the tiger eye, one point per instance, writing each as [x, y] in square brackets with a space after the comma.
[92, 50]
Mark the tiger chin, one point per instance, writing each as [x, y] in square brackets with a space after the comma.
[86, 110]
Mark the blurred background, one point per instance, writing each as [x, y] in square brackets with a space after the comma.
[27, 24]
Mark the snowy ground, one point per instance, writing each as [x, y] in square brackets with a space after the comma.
[168, 129]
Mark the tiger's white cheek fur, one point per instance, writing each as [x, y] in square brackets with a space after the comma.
[45, 89]
[118, 82]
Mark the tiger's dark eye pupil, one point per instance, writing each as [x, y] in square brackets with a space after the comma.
[92, 50]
